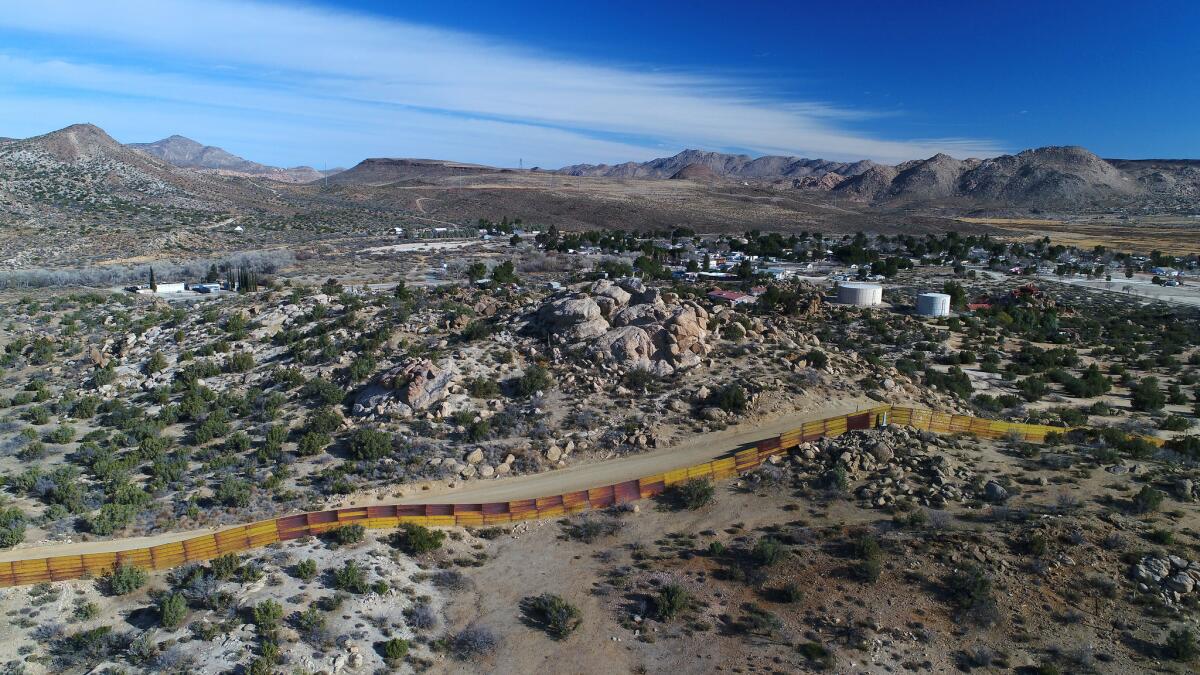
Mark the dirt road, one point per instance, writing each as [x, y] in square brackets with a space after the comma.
[696, 450]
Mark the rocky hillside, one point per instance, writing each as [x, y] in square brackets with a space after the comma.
[382, 171]
[80, 173]
[186, 153]
[1052, 177]
[770, 167]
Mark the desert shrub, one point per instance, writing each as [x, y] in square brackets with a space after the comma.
[1146, 395]
[347, 534]
[239, 362]
[394, 650]
[323, 391]
[370, 444]
[12, 526]
[1181, 645]
[473, 641]
[588, 529]
[416, 539]
[731, 398]
[305, 570]
[232, 491]
[156, 363]
[172, 608]
[534, 379]
[313, 443]
[421, 616]
[267, 616]
[351, 577]
[758, 621]
[818, 655]
[791, 593]
[767, 551]
[692, 494]
[817, 358]
[226, 566]
[1147, 500]
[62, 435]
[870, 558]
[483, 387]
[553, 613]
[671, 601]
[970, 590]
[125, 580]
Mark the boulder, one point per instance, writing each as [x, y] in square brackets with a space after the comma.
[628, 346]
[994, 492]
[1181, 583]
[418, 383]
[475, 456]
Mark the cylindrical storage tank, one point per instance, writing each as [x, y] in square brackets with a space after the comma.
[933, 304]
[861, 295]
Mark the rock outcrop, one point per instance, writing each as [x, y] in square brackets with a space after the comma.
[630, 325]
[416, 384]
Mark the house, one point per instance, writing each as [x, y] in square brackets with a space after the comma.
[731, 297]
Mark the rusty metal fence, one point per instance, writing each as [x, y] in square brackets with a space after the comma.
[245, 537]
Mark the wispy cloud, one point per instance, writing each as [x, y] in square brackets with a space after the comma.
[301, 83]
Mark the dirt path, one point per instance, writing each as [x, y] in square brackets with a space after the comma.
[693, 451]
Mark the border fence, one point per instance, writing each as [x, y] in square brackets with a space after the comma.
[262, 533]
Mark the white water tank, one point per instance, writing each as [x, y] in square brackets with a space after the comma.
[933, 304]
[861, 295]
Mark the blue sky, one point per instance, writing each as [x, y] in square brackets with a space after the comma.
[330, 83]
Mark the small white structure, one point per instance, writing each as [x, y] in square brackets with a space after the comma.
[860, 295]
[171, 288]
[933, 304]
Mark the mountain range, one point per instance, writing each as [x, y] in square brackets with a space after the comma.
[81, 175]
[188, 154]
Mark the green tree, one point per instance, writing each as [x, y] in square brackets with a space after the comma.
[172, 608]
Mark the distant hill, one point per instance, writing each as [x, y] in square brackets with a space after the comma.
[770, 167]
[186, 153]
[81, 172]
[382, 171]
[1046, 178]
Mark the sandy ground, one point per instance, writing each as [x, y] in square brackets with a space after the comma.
[694, 451]
[427, 245]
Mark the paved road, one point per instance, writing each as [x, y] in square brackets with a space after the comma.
[696, 450]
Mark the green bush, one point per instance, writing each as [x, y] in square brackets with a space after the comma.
[970, 590]
[226, 566]
[671, 601]
[534, 379]
[125, 580]
[172, 609]
[1181, 645]
[313, 443]
[817, 358]
[766, 552]
[347, 534]
[239, 362]
[370, 444]
[556, 616]
[156, 363]
[483, 387]
[306, 570]
[1146, 395]
[395, 650]
[416, 539]
[870, 558]
[12, 526]
[1147, 500]
[731, 398]
[351, 577]
[692, 494]
[267, 616]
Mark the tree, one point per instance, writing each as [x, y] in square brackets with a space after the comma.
[395, 650]
[12, 526]
[172, 608]
[693, 493]
[153, 281]
[1146, 396]
[370, 444]
[504, 273]
[514, 240]
[476, 271]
